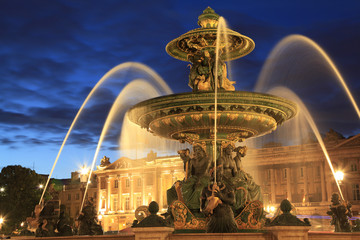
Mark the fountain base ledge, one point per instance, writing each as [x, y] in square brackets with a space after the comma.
[268, 235]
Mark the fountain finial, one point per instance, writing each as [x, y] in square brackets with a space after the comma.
[208, 19]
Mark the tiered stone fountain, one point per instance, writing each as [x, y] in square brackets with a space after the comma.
[190, 117]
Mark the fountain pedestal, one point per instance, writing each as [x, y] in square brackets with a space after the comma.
[289, 232]
[154, 233]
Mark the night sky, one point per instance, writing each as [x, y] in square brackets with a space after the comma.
[53, 52]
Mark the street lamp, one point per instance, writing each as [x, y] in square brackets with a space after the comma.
[2, 189]
[41, 186]
[100, 218]
[339, 176]
[83, 180]
[1, 222]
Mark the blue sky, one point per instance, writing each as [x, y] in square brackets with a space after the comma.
[53, 52]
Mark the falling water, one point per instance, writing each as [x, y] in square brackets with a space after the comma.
[131, 94]
[121, 67]
[287, 93]
[290, 48]
[221, 38]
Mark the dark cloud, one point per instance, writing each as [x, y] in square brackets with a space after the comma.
[52, 53]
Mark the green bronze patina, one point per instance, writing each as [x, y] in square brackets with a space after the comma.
[222, 188]
[205, 37]
[190, 116]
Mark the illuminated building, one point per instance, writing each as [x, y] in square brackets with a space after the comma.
[299, 173]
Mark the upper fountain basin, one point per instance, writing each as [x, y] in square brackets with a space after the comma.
[190, 116]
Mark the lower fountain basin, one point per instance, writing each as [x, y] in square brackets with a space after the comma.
[190, 116]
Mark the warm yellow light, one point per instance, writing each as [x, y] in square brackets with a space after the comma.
[84, 170]
[22, 224]
[272, 208]
[41, 186]
[1, 220]
[100, 217]
[339, 176]
[2, 189]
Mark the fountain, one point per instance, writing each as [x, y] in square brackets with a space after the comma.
[212, 118]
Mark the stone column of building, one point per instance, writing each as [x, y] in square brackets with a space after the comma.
[306, 191]
[108, 194]
[131, 192]
[143, 195]
[99, 193]
[288, 184]
[322, 181]
[161, 201]
[272, 186]
[119, 191]
[155, 196]
[328, 182]
[172, 176]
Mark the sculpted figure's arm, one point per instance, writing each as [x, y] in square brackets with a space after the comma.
[240, 152]
[227, 197]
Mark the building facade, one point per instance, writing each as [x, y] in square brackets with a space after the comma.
[299, 173]
[73, 193]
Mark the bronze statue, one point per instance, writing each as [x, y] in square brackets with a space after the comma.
[198, 164]
[240, 152]
[63, 224]
[226, 161]
[185, 156]
[340, 212]
[88, 222]
[216, 202]
[286, 218]
[47, 221]
[153, 220]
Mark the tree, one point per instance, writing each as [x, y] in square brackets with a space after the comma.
[20, 194]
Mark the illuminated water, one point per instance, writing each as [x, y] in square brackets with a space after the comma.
[153, 77]
[287, 93]
[221, 41]
[300, 61]
[136, 91]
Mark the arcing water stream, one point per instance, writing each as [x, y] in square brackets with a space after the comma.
[130, 95]
[156, 79]
[288, 44]
[287, 93]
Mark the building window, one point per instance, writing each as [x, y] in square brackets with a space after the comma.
[116, 184]
[285, 173]
[139, 182]
[127, 183]
[103, 183]
[301, 172]
[103, 203]
[77, 196]
[318, 171]
[77, 210]
[127, 203]
[69, 197]
[114, 206]
[138, 201]
[353, 167]
[356, 192]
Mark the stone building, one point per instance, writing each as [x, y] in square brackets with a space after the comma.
[73, 192]
[302, 174]
[126, 184]
[299, 173]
